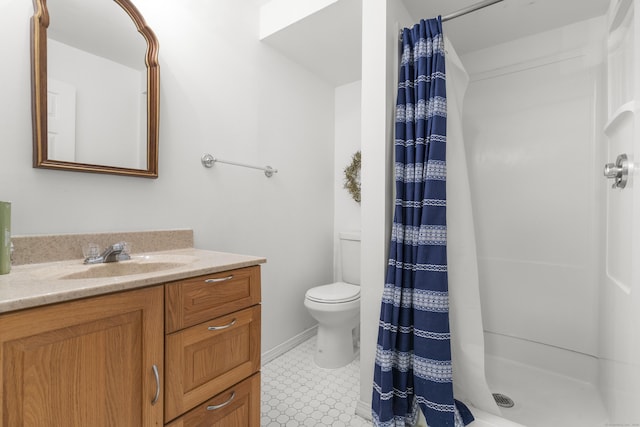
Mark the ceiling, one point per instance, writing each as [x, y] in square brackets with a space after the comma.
[501, 22]
[329, 41]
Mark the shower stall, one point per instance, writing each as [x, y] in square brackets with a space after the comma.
[535, 155]
[557, 241]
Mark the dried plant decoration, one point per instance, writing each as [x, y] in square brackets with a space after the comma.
[352, 176]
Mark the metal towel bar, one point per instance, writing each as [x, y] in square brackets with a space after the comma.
[208, 160]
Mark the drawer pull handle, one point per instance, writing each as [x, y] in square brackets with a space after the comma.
[157, 377]
[221, 279]
[222, 405]
[217, 328]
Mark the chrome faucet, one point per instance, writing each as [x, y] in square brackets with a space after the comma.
[116, 252]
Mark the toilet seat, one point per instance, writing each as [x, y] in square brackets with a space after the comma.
[334, 293]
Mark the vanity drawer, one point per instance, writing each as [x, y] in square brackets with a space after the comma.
[198, 299]
[238, 406]
[203, 360]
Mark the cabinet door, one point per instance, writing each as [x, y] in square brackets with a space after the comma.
[204, 360]
[238, 406]
[83, 363]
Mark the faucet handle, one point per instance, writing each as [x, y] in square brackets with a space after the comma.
[90, 250]
[125, 252]
[118, 246]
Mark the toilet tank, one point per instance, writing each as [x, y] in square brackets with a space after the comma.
[350, 256]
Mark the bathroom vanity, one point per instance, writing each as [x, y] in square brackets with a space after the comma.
[175, 345]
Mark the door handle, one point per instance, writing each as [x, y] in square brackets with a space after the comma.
[217, 328]
[222, 405]
[222, 279]
[156, 375]
[618, 171]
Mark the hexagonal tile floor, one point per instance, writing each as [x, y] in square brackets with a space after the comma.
[296, 392]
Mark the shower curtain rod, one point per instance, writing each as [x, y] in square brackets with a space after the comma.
[465, 11]
[472, 8]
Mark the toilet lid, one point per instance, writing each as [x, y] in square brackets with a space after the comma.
[334, 293]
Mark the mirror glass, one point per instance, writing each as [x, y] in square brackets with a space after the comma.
[95, 88]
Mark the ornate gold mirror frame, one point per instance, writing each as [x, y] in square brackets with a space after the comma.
[40, 23]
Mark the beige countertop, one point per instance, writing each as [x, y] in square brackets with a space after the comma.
[32, 285]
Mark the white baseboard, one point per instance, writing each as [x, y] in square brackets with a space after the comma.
[363, 410]
[291, 343]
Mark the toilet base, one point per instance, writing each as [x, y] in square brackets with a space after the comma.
[334, 347]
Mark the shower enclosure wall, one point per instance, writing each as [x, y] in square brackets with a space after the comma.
[533, 128]
[537, 186]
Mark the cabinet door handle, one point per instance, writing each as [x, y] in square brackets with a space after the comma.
[217, 328]
[157, 377]
[221, 279]
[222, 405]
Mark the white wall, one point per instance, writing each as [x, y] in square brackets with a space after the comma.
[381, 21]
[346, 212]
[531, 115]
[223, 92]
[273, 19]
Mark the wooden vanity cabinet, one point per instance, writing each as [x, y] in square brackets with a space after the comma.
[212, 350]
[82, 363]
[185, 353]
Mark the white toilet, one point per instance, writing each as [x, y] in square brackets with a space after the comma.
[336, 307]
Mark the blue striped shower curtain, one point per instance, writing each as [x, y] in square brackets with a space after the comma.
[413, 357]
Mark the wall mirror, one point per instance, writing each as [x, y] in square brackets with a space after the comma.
[96, 88]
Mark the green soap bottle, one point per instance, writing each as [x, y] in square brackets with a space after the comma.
[5, 237]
